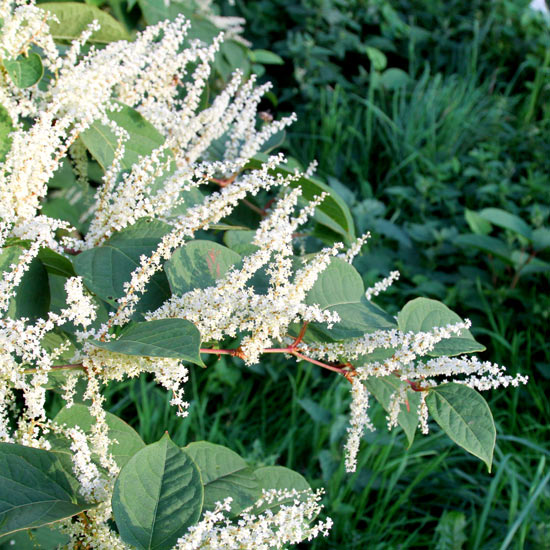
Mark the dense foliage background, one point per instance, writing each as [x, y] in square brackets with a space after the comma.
[430, 118]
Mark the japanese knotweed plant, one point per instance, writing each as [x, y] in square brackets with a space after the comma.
[119, 177]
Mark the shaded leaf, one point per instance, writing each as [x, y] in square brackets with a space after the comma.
[37, 487]
[106, 268]
[32, 295]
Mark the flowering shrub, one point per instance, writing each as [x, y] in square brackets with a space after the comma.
[112, 275]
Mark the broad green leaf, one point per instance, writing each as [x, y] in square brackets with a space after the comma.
[339, 283]
[6, 127]
[465, 417]
[224, 473]
[155, 11]
[158, 495]
[106, 268]
[383, 388]
[43, 538]
[32, 295]
[56, 263]
[265, 57]
[102, 142]
[279, 477]
[176, 338]
[339, 288]
[504, 219]
[489, 245]
[25, 71]
[240, 241]
[198, 264]
[423, 314]
[37, 487]
[125, 441]
[74, 18]
[332, 212]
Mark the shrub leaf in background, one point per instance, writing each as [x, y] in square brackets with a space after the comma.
[37, 487]
[158, 495]
[176, 338]
[465, 417]
[224, 473]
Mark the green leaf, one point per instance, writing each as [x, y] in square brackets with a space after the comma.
[36, 488]
[176, 338]
[477, 223]
[377, 58]
[423, 314]
[487, 244]
[25, 71]
[106, 268]
[198, 264]
[74, 18]
[43, 538]
[265, 57]
[240, 241]
[340, 288]
[102, 143]
[279, 477]
[332, 212]
[504, 219]
[541, 238]
[32, 295]
[56, 263]
[124, 440]
[465, 417]
[6, 127]
[224, 473]
[157, 496]
[383, 388]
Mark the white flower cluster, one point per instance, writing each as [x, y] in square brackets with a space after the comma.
[407, 364]
[231, 307]
[290, 524]
[382, 285]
